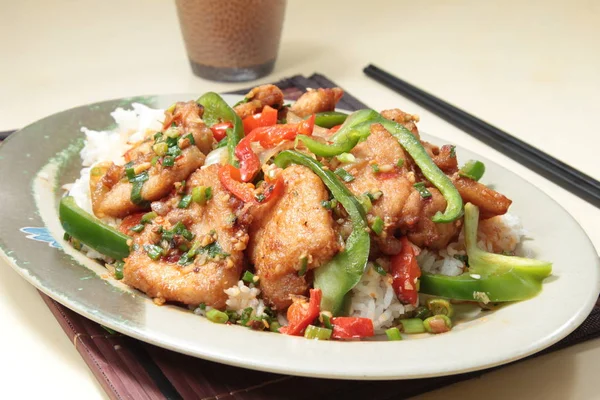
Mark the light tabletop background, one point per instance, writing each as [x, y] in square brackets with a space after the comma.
[530, 67]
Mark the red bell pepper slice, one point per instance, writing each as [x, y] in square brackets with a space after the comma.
[220, 130]
[230, 178]
[267, 117]
[405, 272]
[352, 327]
[301, 313]
[268, 137]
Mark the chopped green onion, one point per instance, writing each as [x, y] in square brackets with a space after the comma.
[420, 186]
[365, 201]
[174, 151]
[315, 332]
[248, 277]
[346, 158]
[130, 172]
[168, 161]
[375, 168]
[379, 269]
[393, 334]
[154, 251]
[375, 195]
[216, 316]
[260, 198]
[412, 325]
[400, 162]
[119, 270]
[202, 306]
[185, 201]
[453, 151]
[377, 225]
[329, 204]
[274, 326]
[138, 228]
[440, 307]
[422, 312]
[172, 132]
[473, 169]
[136, 192]
[345, 175]
[303, 266]
[148, 217]
[437, 324]
[154, 160]
[190, 137]
[326, 320]
[158, 135]
[201, 194]
[160, 148]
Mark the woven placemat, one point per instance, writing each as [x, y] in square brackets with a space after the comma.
[130, 369]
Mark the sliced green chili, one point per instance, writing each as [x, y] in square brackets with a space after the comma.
[185, 201]
[329, 119]
[393, 334]
[438, 324]
[473, 169]
[412, 325]
[440, 307]
[148, 217]
[137, 228]
[318, 333]
[216, 316]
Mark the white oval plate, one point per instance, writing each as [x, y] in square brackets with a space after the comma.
[487, 340]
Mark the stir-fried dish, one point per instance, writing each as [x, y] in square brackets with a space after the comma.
[299, 219]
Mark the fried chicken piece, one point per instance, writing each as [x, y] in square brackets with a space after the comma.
[427, 233]
[315, 101]
[111, 194]
[220, 227]
[490, 202]
[444, 157]
[258, 97]
[287, 230]
[408, 120]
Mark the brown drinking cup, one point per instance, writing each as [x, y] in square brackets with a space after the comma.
[231, 40]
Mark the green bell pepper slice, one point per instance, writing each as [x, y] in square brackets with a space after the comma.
[338, 276]
[329, 119]
[358, 126]
[493, 277]
[217, 110]
[90, 231]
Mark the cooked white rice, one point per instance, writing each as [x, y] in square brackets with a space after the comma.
[374, 298]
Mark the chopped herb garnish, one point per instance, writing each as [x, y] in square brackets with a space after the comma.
[400, 162]
[119, 270]
[202, 306]
[137, 228]
[248, 277]
[375, 168]
[185, 201]
[329, 204]
[213, 250]
[168, 161]
[420, 186]
[154, 160]
[260, 197]
[453, 151]
[136, 192]
[148, 217]
[377, 225]
[375, 195]
[346, 158]
[158, 135]
[303, 266]
[190, 137]
[201, 194]
[174, 151]
[344, 175]
[217, 316]
[153, 251]
[379, 269]
[326, 321]
[130, 172]
[160, 148]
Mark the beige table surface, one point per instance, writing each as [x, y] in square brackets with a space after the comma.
[530, 67]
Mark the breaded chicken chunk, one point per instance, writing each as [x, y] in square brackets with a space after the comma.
[290, 232]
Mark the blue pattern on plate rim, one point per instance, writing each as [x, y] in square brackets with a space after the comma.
[40, 234]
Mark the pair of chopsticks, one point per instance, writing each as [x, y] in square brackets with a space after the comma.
[544, 164]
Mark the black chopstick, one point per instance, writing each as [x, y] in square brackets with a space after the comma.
[555, 170]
